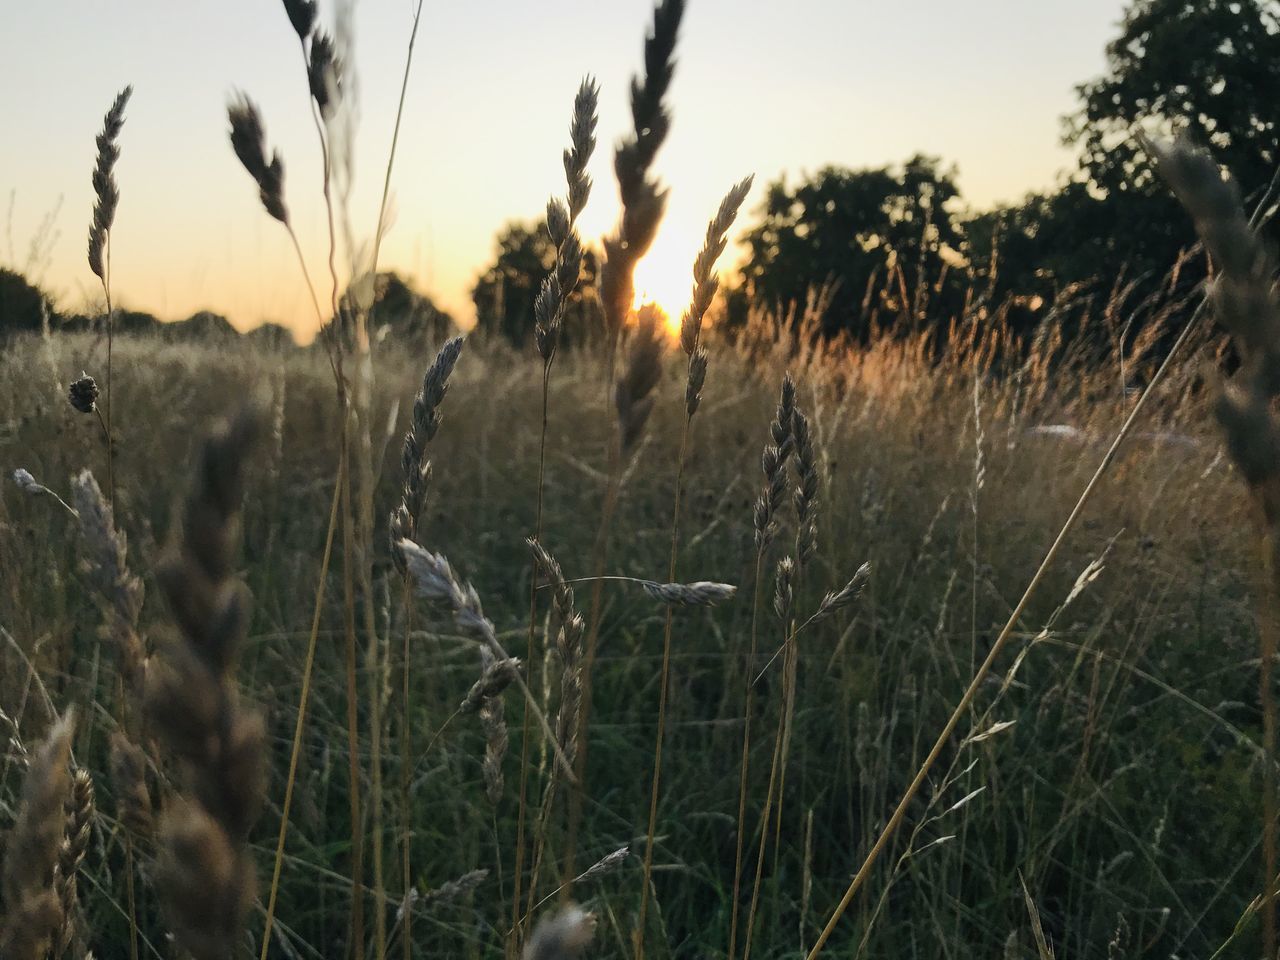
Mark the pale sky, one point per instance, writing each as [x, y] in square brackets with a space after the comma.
[760, 87]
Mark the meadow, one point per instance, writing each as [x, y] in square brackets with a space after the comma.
[1124, 792]
[359, 650]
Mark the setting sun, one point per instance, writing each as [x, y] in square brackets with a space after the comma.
[664, 278]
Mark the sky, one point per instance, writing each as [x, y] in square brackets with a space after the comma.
[775, 89]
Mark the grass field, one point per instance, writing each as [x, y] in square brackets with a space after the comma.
[706, 640]
[1124, 793]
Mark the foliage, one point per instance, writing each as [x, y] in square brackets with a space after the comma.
[23, 305]
[1209, 68]
[870, 235]
[405, 315]
[505, 292]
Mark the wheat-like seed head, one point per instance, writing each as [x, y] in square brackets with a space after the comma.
[249, 142]
[26, 482]
[105, 190]
[302, 16]
[324, 74]
[206, 879]
[774, 467]
[610, 863]
[582, 136]
[75, 843]
[569, 636]
[439, 585]
[705, 281]
[493, 723]
[455, 889]
[120, 592]
[781, 427]
[643, 200]
[498, 674]
[414, 465]
[806, 489]
[204, 865]
[700, 593]
[549, 306]
[633, 393]
[837, 600]
[693, 383]
[705, 284]
[83, 394]
[1243, 296]
[784, 588]
[33, 908]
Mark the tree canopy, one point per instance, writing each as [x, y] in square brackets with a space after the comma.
[23, 305]
[868, 235]
[504, 294]
[1208, 68]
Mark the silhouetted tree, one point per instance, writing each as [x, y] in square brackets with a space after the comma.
[1210, 68]
[505, 293]
[403, 314]
[271, 335]
[397, 312]
[881, 239]
[22, 303]
[204, 326]
[131, 322]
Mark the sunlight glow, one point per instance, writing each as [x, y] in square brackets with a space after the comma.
[665, 278]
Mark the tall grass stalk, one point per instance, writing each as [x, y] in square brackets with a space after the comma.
[406, 867]
[705, 284]
[248, 141]
[806, 503]
[774, 468]
[1243, 296]
[304, 697]
[549, 308]
[416, 469]
[643, 204]
[107, 199]
[322, 73]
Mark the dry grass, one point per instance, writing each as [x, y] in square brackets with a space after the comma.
[870, 682]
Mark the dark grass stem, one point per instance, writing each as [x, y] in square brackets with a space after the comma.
[303, 699]
[663, 689]
[600, 558]
[749, 702]
[517, 924]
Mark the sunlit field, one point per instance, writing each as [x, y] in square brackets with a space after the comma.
[872, 585]
[1122, 791]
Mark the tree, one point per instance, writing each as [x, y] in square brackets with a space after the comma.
[1210, 68]
[401, 313]
[204, 326]
[878, 238]
[271, 336]
[23, 305]
[395, 311]
[505, 293]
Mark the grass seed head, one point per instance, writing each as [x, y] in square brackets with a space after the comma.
[83, 393]
[106, 191]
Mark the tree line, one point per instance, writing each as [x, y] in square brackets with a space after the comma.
[895, 247]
